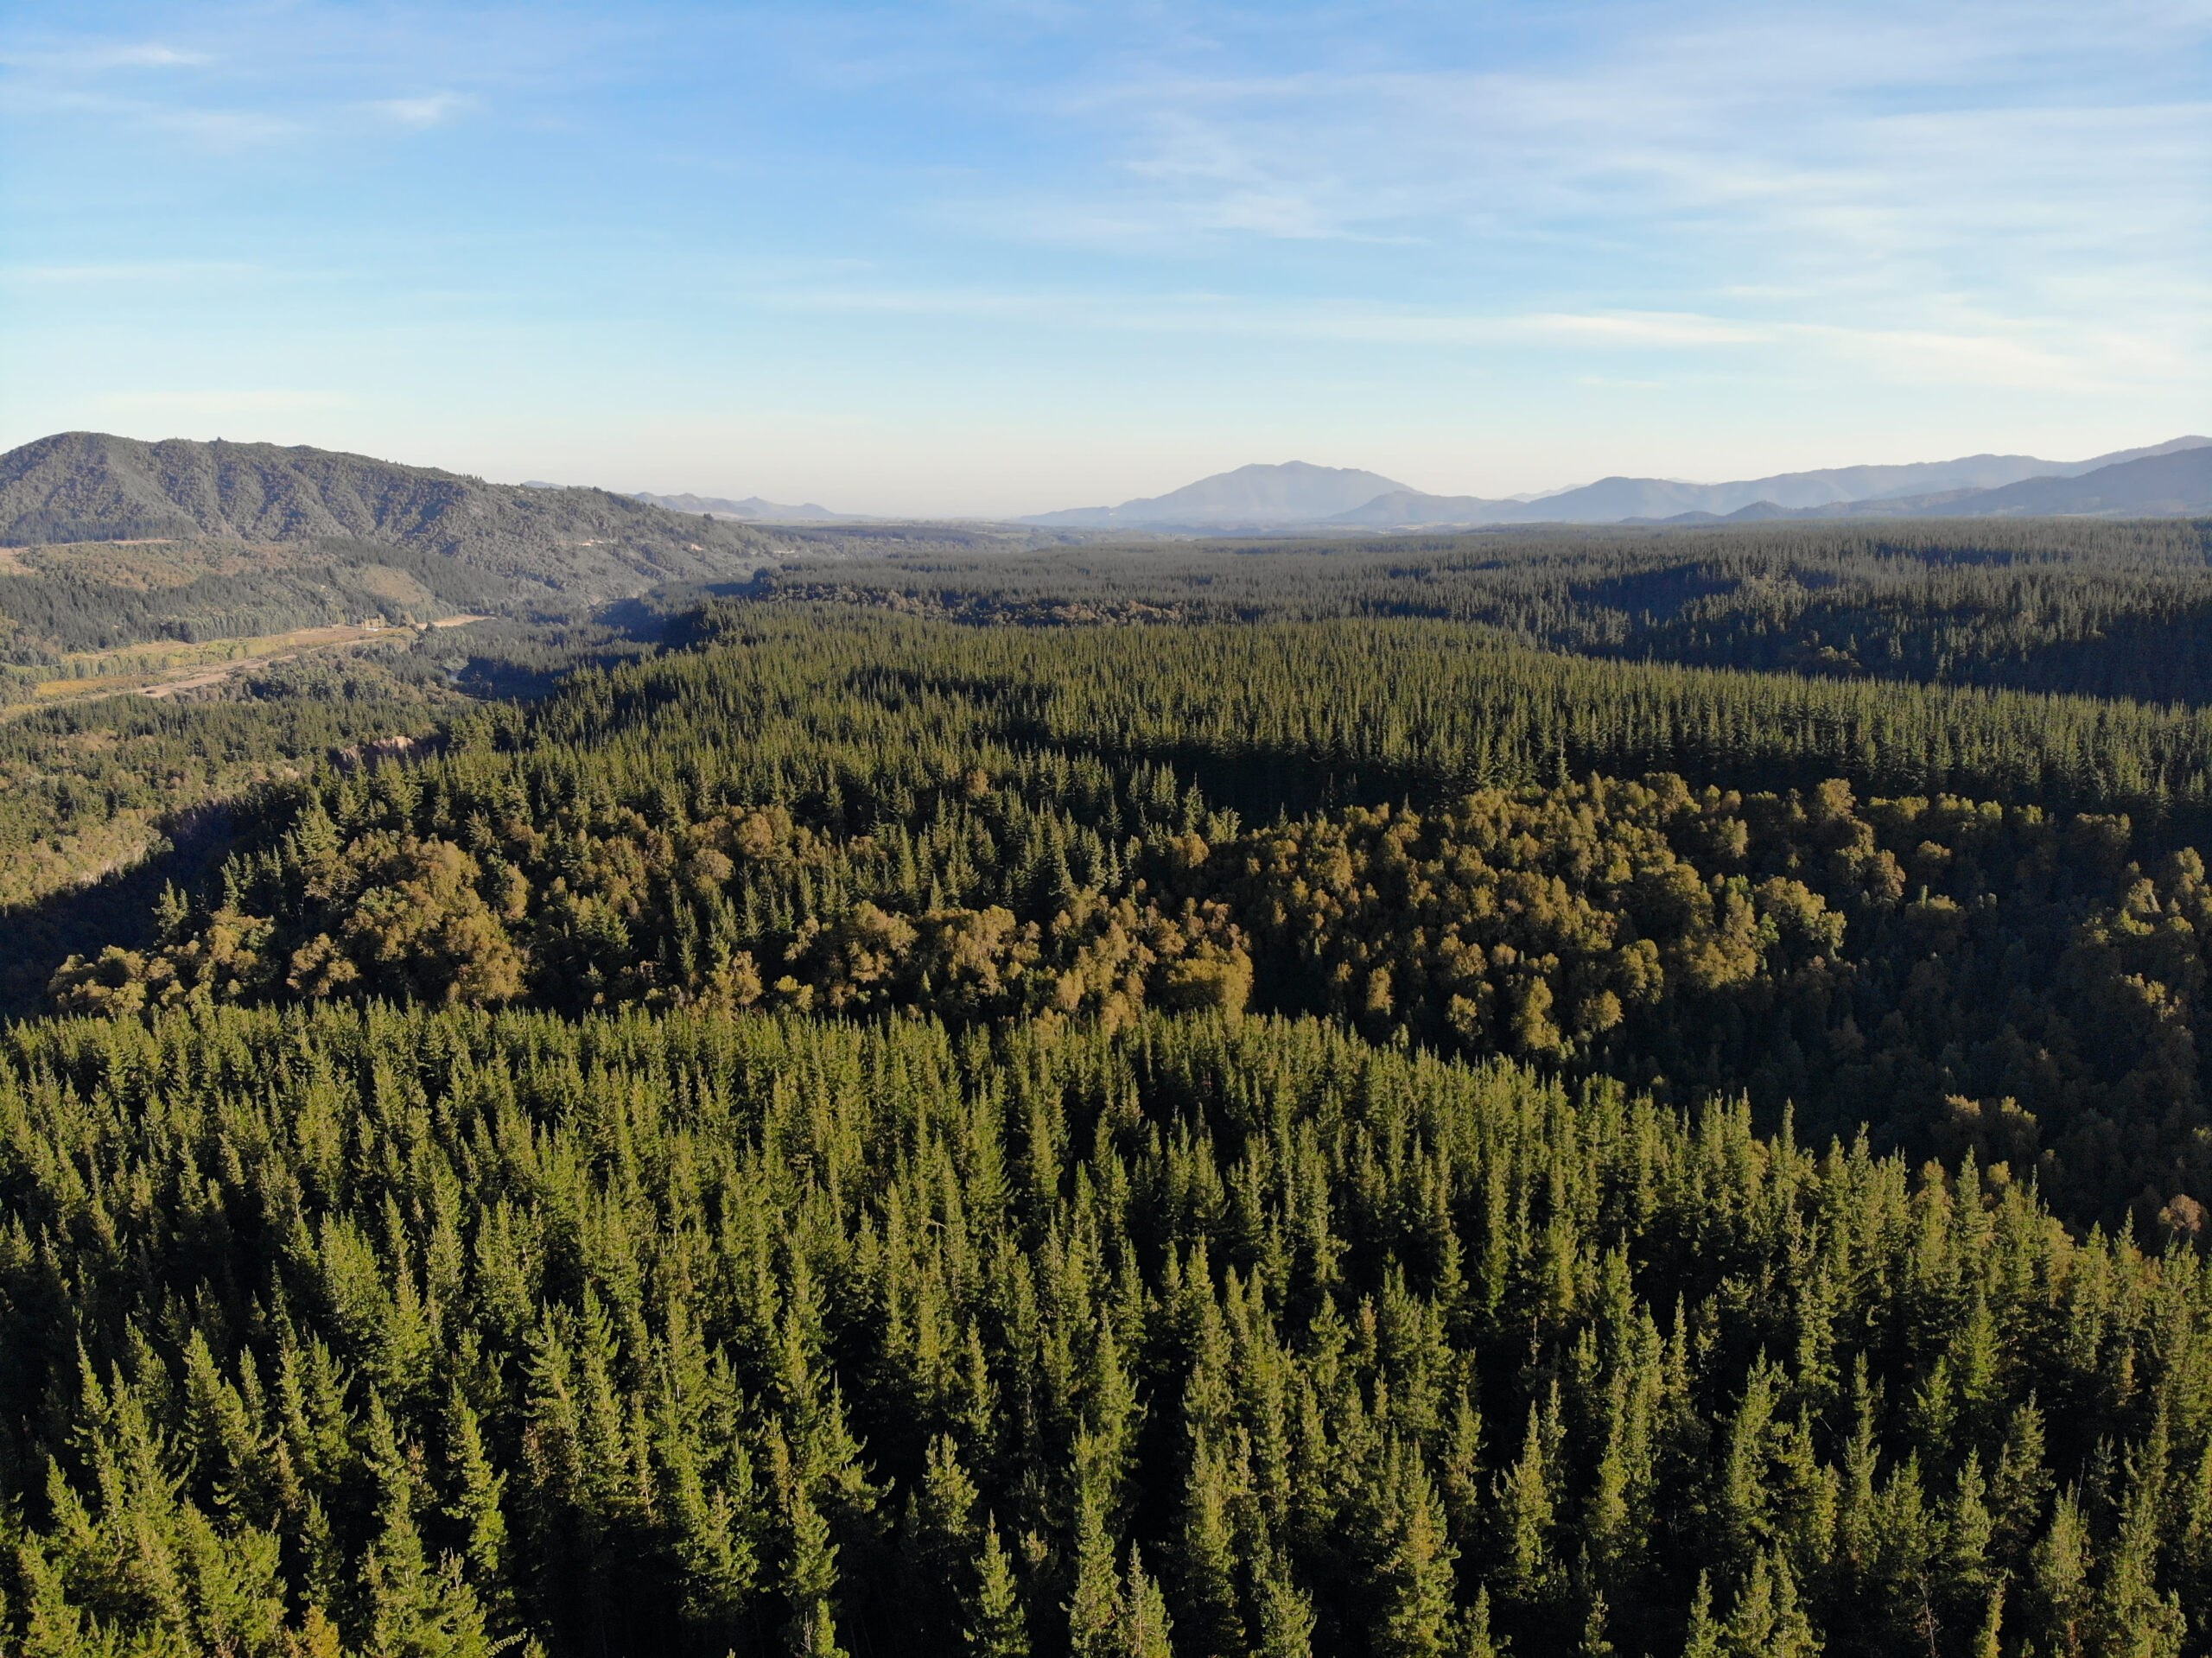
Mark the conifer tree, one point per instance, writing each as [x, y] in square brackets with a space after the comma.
[1526, 1510]
[418, 1609]
[996, 1627]
[1206, 1558]
[1969, 1529]
[1286, 1611]
[2021, 1484]
[1460, 1469]
[1768, 1618]
[1476, 1637]
[1703, 1638]
[1142, 1623]
[1743, 1491]
[1092, 1608]
[1593, 1643]
[2135, 1617]
[1415, 1579]
[1988, 1642]
[2195, 1549]
[478, 1488]
[2060, 1573]
[940, 1546]
[809, 1580]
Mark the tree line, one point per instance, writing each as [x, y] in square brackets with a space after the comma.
[2086, 606]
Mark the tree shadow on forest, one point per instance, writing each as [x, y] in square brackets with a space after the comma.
[506, 659]
[117, 909]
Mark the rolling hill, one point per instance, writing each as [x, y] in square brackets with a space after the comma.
[585, 544]
[106, 542]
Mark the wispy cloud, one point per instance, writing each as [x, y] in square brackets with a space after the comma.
[93, 57]
[161, 272]
[1641, 330]
[220, 129]
[1864, 172]
[1465, 225]
[2001, 351]
[425, 112]
[261, 75]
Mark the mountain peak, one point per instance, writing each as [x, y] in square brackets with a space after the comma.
[1288, 491]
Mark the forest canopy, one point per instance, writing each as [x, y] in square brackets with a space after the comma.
[1308, 1103]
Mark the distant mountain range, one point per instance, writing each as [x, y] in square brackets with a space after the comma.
[2168, 483]
[1294, 493]
[751, 510]
[584, 543]
[2164, 479]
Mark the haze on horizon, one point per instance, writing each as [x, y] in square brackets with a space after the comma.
[1003, 259]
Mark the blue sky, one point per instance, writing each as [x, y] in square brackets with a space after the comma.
[1007, 257]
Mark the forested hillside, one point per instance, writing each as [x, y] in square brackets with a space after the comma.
[106, 541]
[81, 486]
[2096, 608]
[1284, 1107]
[56, 602]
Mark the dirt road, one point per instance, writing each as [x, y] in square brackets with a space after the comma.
[298, 644]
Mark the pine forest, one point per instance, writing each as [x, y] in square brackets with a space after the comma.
[1628, 1092]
